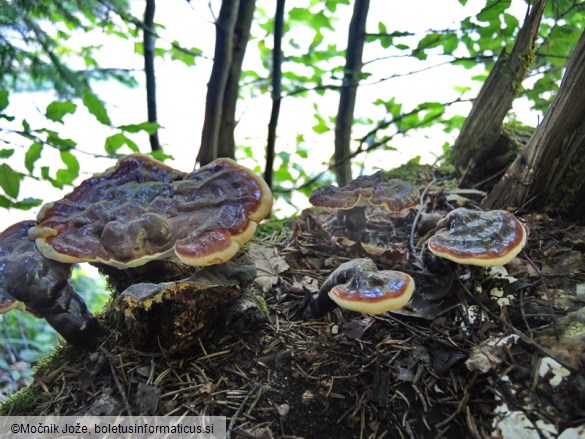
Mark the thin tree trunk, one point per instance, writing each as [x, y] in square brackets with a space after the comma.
[148, 45]
[549, 173]
[222, 60]
[276, 90]
[347, 96]
[483, 126]
[226, 146]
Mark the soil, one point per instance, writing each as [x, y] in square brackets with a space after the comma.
[472, 341]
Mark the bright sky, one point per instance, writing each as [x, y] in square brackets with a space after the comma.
[181, 92]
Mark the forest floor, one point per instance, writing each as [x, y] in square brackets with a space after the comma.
[477, 353]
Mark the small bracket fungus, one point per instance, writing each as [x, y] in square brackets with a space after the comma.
[32, 283]
[357, 285]
[141, 210]
[479, 238]
[369, 190]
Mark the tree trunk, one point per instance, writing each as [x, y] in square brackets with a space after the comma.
[222, 60]
[276, 94]
[549, 173]
[476, 144]
[148, 45]
[353, 68]
[226, 143]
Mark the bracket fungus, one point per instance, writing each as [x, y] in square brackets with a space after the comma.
[142, 210]
[357, 285]
[474, 237]
[33, 283]
[368, 190]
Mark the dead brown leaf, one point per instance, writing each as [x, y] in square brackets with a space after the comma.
[268, 264]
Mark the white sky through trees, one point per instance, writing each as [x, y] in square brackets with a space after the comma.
[181, 93]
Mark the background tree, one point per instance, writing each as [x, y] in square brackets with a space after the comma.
[549, 172]
[232, 33]
[478, 150]
[224, 36]
[226, 141]
[148, 44]
[276, 90]
[347, 94]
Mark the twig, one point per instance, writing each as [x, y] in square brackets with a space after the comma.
[118, 384]
[549, 296]
[419, 333]
[417, 217]
[232, 424]
[516, 331]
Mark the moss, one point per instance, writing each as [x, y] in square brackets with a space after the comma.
[277, 228]
[21, 402]
[517, 128]
[412, 171]
[259, 300]
[569, 190]
[26, 400]
[574, 328]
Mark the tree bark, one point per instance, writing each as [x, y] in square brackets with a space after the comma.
[476, 143]
[226, 143]
[148, 45]
[549, 173]
[222, 60]
[276, 90]
[347, 96]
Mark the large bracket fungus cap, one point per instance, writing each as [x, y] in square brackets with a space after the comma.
[142, 210]
[38, 285]
[368, 190]
[479, 238]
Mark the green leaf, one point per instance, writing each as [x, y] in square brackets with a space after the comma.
[116, 141]
[65, 176]
[493, 9]
[461, 89]
[27, 203]
[46, 176]
[161, 155]
[56, 110]
[9, 180]
[96, 107]
[450, 43]
[321, 126]
[511, 21]
[3, 99]
[6, 153]
[187, 56]
[70, 161]
[32, 155]
[149, 127]
[430, 40]
[299, 14]
[55, 140]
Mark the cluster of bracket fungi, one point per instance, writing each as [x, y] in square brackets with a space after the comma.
[142, 210]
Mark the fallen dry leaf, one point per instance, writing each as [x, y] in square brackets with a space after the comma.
[484, 358]
[268, 266]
